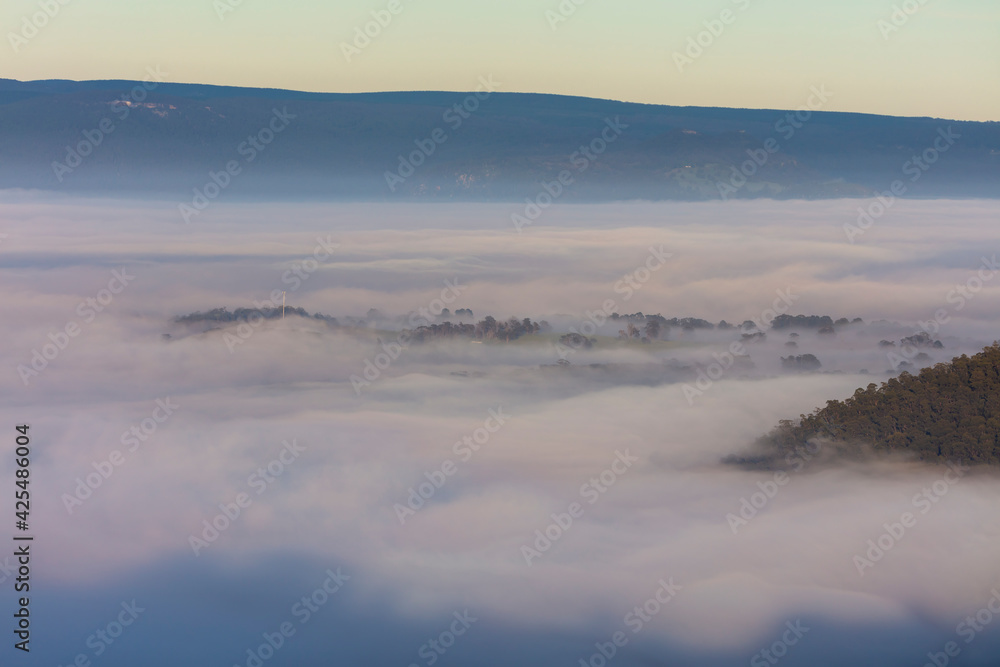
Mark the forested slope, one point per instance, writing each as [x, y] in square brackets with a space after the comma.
[950, 411]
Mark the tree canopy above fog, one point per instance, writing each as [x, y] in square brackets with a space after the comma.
[950, 411]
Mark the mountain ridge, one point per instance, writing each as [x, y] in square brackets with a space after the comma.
[499, 146]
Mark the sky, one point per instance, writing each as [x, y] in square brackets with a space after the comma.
[940, 60]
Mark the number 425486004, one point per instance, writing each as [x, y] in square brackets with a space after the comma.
[23, 474]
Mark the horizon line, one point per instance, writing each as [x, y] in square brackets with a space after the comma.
[510, 92]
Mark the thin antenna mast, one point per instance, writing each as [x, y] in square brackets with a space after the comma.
[282, 305]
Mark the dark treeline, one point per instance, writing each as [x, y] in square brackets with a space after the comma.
[650, 326]
[686, 323]
[822, 323]
[950, 411]
[801, 362]
[802, 322]
[225, 316]
[488, 328]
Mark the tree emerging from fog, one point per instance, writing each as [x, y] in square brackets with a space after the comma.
[950, 411]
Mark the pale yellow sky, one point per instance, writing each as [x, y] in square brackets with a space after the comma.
[943, 60]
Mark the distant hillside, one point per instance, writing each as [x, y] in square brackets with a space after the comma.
[949, 412]
[168, 140]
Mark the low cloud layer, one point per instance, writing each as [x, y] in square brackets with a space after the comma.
[609, 459]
